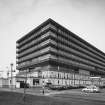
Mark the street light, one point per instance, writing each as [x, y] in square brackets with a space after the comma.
[25, 86]
[1, 74]
[11, 74]
[7, 72]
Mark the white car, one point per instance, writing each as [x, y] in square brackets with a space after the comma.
[91, 89]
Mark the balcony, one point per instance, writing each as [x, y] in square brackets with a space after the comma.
[34, 42]
[69, 43]
[37, 34]
[36, 61]
[35, 54]
[80, 43]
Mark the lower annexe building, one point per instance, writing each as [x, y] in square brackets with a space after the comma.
[52, 54]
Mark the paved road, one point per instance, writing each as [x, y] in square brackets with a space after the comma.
[78, 100]
[77, 97]
[74, 96]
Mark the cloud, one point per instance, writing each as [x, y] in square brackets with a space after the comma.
[18, 17]
[11, 10]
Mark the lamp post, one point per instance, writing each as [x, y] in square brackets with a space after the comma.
[25, 86]
[11, 74]
[1, 74]
[58, 55]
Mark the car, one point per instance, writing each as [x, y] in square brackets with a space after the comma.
[91, 89]
[57, 87]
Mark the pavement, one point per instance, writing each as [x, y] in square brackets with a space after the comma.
[72, 92]
[36, 91]
[32, 91]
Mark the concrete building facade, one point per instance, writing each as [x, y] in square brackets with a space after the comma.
[52, 54]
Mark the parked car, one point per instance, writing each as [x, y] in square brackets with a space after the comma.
[57, 87]
[91, 89]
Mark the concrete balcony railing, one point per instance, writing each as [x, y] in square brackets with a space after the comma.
[80, 43]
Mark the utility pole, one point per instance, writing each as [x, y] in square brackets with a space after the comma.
[43, 88]
[1, 74]
[58, 54]
[11, 75]
[58, 75]
[7, 72]
[25, 86]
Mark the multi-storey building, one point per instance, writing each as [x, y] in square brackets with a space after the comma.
[52, 53]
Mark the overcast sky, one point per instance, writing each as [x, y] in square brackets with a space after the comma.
[86, 18]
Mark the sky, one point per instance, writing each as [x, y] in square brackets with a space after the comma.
[86, 18]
